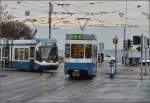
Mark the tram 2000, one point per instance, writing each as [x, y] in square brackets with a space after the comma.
[80, 55]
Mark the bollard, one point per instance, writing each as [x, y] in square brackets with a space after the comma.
[111, 71]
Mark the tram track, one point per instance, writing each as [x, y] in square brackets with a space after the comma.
[19, 83]
[64, 92]
[57, 90]
[26, 81]
[26, 85]
[31, 88]
[41, 89]
[37, 89]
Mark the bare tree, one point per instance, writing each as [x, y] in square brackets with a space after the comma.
[16, 30]
[13, 29]
[5, 16]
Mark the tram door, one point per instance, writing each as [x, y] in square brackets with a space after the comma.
[32, 56]
[5, 56]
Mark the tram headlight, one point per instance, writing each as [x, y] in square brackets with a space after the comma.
[51, 61]
[57, 62]
[44, 62]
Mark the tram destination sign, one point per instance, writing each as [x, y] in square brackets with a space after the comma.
[80, 37]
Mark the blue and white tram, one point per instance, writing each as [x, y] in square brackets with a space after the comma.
[29, 55]
[80, 55]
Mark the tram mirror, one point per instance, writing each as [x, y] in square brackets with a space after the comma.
[67, 50]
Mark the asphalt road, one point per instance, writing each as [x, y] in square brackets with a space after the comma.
[54, 87]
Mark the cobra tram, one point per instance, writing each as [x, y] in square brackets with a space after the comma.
[80, 55]
[29, 55]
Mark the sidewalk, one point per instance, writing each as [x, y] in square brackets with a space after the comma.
[126, 72]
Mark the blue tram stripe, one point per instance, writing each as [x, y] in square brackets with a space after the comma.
[20, 65]
[24, 65]
[89, 67]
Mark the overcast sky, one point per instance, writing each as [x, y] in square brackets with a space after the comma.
[101, 13]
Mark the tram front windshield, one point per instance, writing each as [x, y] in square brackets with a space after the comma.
[78, 51]
[47, 54]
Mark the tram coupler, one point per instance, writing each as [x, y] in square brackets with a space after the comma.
[76, 73]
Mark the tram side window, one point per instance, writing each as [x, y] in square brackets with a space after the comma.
[77, 51]
[67, 50]
[26, 54]
[16, 53]
[88, 50]
[21, 53]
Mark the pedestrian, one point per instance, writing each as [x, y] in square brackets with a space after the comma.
[111, 71]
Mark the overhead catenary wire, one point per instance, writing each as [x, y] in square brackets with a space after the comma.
[70, 12]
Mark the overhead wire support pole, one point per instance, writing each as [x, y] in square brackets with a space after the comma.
[149, 37]
[50, 18]
[0, 47]
[141, 65]
[124, 36]
[0, 17]
[116, 58]
[125, 19]
[145, 49]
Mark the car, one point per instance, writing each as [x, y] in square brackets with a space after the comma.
[103, 57]
[108, 58]
[147, 61]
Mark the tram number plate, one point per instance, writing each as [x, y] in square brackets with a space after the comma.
[76, 73]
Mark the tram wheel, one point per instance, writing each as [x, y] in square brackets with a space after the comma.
[71, 76]
[84, 75]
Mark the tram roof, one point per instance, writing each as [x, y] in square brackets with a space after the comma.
[27, 41]
[47, 39]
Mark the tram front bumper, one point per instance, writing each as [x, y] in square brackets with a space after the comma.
[52, 66]
[71, 67]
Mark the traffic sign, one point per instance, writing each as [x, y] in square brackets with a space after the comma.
[115, 40]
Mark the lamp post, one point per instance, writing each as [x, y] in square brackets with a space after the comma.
[149, 35]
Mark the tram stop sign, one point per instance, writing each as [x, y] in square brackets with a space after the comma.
[115, 40]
